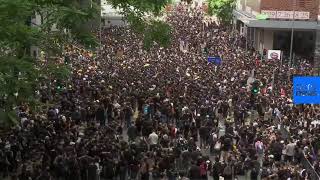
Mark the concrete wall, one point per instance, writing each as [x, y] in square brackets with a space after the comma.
[114, 21]
[257, 40]
[268, 39]
[317, 52]
[254, 5]
[249, 6]
[263, 39]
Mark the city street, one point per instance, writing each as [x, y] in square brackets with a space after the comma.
[159, 90]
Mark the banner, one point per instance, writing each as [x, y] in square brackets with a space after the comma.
[274, 54]
[215, 60]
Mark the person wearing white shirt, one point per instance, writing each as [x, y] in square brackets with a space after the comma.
[153, 140]
[290, 151]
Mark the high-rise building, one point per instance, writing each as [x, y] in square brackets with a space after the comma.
[268, 24]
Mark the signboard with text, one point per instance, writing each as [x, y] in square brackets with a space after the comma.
[301, 15]
[306, 90]
[215, 60]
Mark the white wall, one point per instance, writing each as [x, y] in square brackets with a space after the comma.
[108, 10]
[114, 21]
[263, 39]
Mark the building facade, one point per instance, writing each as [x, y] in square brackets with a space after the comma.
[267, 24]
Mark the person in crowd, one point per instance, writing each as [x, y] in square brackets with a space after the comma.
[131, 113]
[153, 140]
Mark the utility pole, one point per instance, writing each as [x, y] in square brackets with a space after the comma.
[292, 31]
[246, 34]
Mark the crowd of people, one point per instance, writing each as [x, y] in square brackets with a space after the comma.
[166, 113]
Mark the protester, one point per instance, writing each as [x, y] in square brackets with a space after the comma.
[128, 112]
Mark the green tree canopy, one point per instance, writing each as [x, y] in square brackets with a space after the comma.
[222, 9]
[20, 73]
[143, 15]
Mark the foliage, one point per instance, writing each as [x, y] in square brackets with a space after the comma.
[20, 73]
[142, 15]
[8, 119]
[59, 72]
[18, 78]
[222, 9]
[139, 7]
[158, 32]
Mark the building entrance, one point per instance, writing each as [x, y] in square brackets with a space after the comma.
[303, 43]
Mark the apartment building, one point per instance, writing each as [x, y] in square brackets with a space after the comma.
[267, 24]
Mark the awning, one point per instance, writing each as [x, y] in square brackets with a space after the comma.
[253, 22]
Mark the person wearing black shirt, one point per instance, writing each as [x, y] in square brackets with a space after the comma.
[92, 171]
[194, 172]
[216, 169]
[132, 133]
[127, 115]
[100, 115]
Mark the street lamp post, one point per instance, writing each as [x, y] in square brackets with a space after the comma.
[100, 32]
[292, 31]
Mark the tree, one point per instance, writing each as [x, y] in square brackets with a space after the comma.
[222, 9]
[143, 16]
[157, 31]
[20, 73]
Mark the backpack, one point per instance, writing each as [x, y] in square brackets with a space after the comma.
[227, 171]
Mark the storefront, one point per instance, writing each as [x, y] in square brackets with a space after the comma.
[276, 34]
